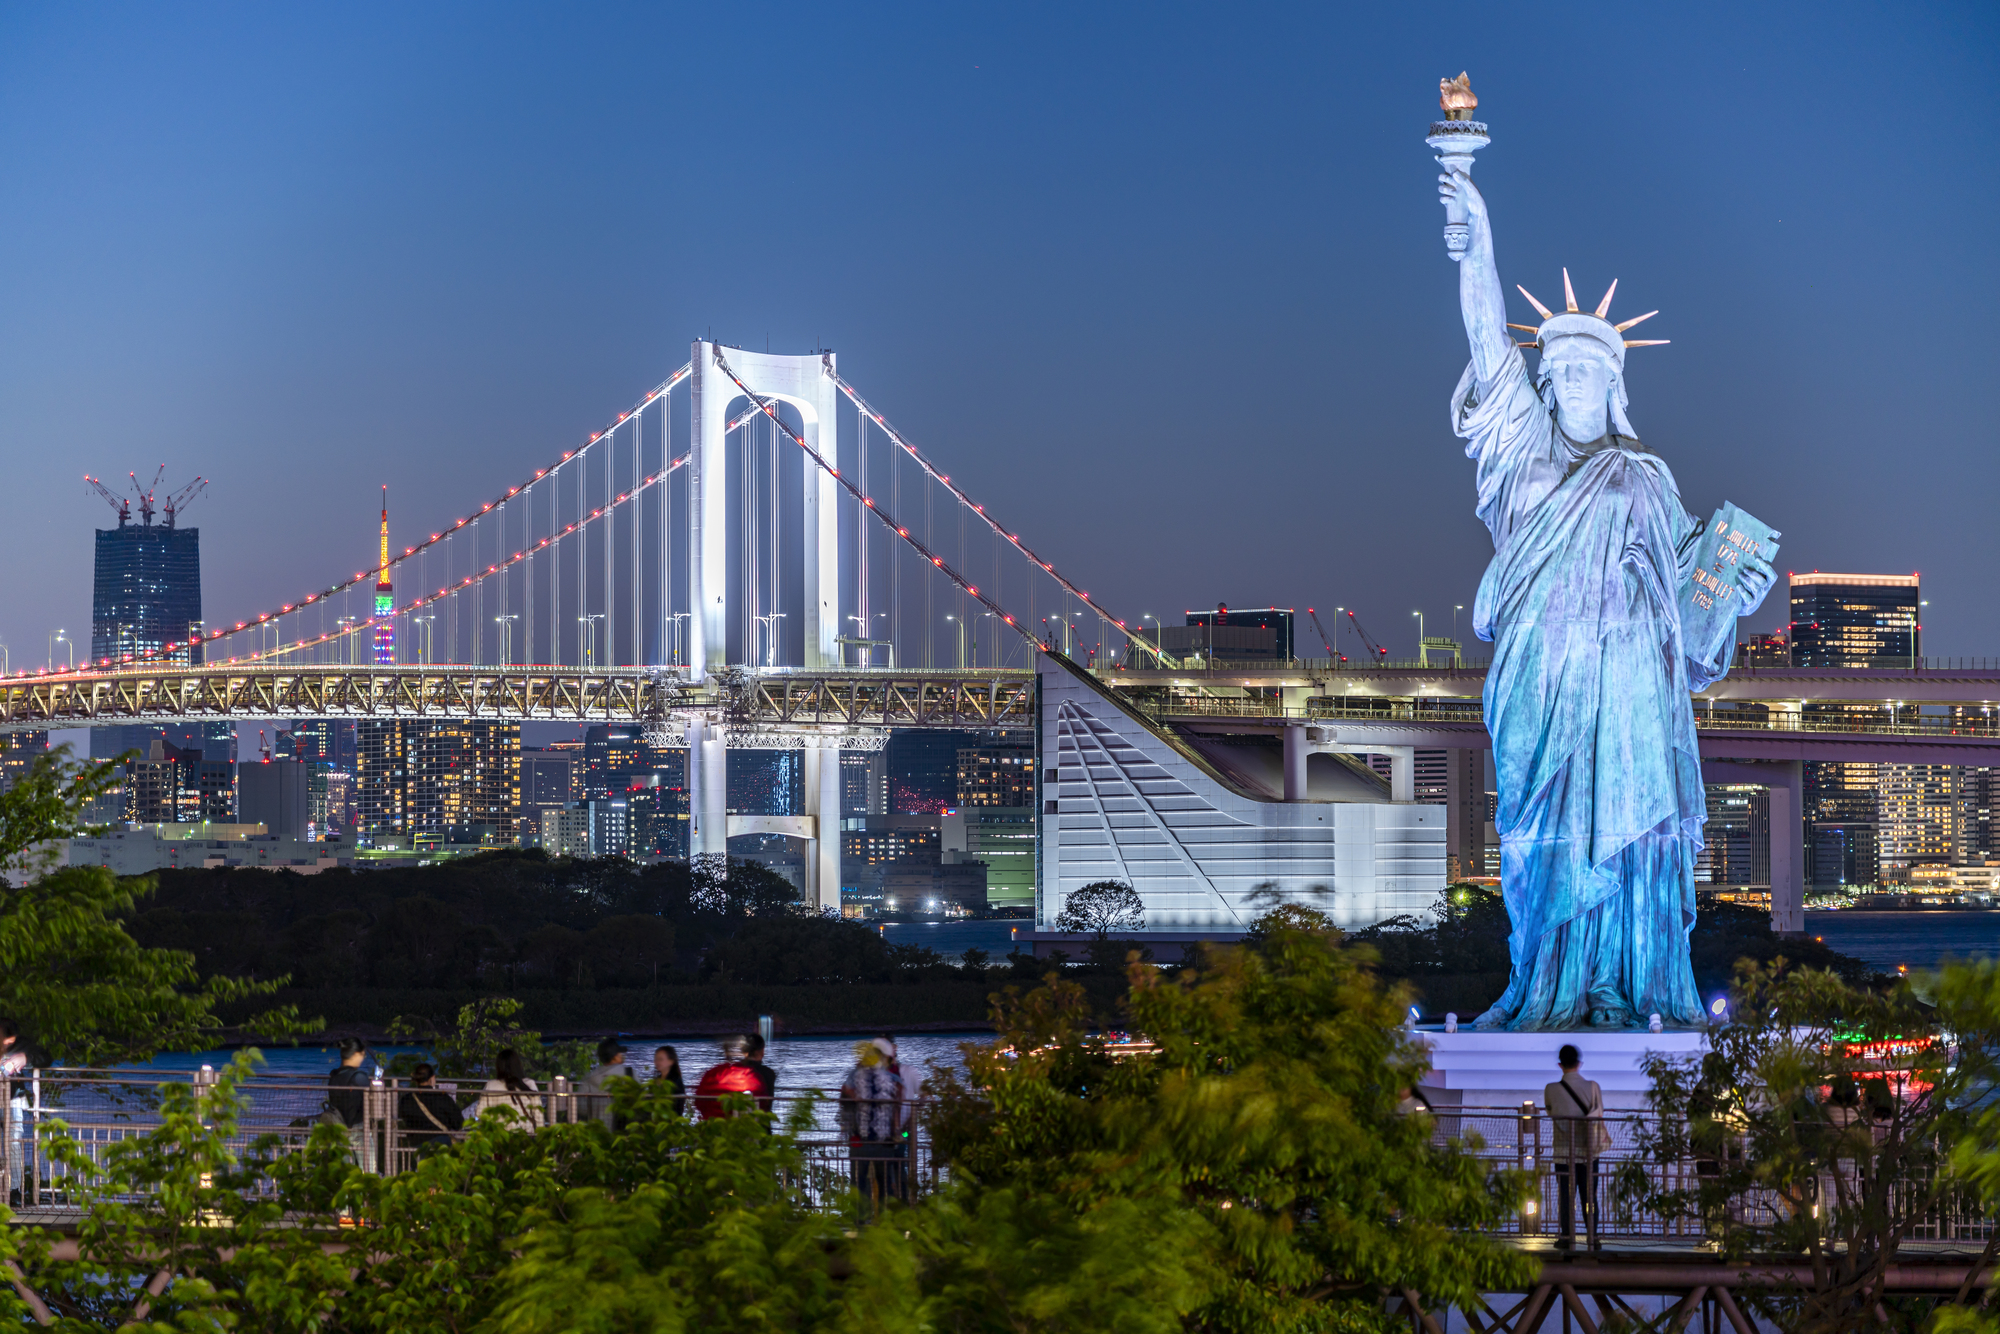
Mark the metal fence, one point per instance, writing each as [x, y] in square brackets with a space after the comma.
[1526, 1138]
[96, 1110]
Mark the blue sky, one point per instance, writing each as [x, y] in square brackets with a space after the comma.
[1162, 284]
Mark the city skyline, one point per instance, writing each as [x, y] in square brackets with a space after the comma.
[381, 259]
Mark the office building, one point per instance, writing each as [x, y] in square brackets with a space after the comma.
[598, 827]
[864, 782]
[216, 741]
[922, 767]
[171, 785]
[275, 794]
[565, 831]
[21, 751]
[612, 752]
[996, 776]
[549, 781]
[319, 741]
[1852, 621]
[146, 594]
[1737, 851]
[1919, 818]
[1001, 837]
[1255, 634]
[1856, 620]
[455, 782]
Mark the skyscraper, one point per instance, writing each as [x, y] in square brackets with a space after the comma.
[385, 599]
[1857, 621]
[456, 781]
[146, 593]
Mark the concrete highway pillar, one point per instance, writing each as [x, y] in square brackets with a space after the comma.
[697, 832]
[714, 794]
[1402, 773]
[1788, 848]
[1295, 762]
[822, 795]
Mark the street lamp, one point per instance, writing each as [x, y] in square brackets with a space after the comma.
[506, 638]
[589, 624]
[1914, 627]
[770, 624]
[425, 621]
[1454, 619]
[996, 642]
[953, 619]
[675, 620]
[69, 649]
[1423, 658]
[1158, 635]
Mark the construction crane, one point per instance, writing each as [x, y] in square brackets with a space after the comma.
[1380, 652]
[1331, 651]
[146, 496]
[122, 504]
[178, 501]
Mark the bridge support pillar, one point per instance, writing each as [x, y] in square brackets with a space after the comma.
[1295, 762]
[708, 790]
[821, 781]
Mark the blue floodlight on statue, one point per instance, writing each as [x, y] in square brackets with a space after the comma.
[1600, 796]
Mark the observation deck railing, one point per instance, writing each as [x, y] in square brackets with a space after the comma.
[277, 1114]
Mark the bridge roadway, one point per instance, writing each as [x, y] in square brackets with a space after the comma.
[1423, 707]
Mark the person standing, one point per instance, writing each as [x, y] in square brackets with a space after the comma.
[872, 1119]
[511, 1095]
[1576, 1117]
[346, 1099]
[667, 1068]
[429, 1115]
[16, 1063]
[611, 1064]
[733, 1075]
[766, 1076]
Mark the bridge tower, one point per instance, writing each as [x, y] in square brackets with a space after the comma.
[806, 383]
[720, 377]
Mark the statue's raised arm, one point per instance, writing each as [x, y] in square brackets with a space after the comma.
[1479, 294]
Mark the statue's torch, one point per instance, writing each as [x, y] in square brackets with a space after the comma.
[1456, 138]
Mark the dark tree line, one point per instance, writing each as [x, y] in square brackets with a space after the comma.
[498, 920]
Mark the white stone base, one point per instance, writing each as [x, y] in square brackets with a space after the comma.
[1483, 1069]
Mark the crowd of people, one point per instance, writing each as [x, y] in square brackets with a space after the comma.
[875, 1106]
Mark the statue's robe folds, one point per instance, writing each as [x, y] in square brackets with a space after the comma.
[1600, 804]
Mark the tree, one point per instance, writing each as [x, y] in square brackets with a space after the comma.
[1101, 907]
[1822, 1124]
[82, 989]
[1259, 1141]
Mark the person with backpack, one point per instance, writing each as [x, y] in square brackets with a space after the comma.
[347, 1099]
[1579, 1138]
[874, 1118]
[734, 1075]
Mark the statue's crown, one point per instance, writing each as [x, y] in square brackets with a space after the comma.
[1597, 325]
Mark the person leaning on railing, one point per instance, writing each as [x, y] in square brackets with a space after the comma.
[872, 1117]
[17, 1058]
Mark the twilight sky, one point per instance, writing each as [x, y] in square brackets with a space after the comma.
[1163, 285]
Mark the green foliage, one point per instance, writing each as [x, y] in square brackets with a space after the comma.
[1725, 933]
[82, 989]
[1465, 932]
[483, 1029]
[1261, 1136]
[1821, 1124]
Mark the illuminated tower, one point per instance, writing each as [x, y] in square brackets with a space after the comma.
[385, 599]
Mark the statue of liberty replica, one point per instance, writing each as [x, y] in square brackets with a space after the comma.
[1607, 603]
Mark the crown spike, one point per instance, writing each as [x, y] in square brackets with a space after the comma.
[1546, 312]
[1569, 293]
[1604, 306]
[1636, 319]
[1525, 328]
[1647, 342]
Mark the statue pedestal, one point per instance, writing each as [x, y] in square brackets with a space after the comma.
[1483, 1069]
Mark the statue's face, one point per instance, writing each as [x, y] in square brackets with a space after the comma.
[1580, 372]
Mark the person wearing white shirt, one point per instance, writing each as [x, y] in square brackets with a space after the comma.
[511, 1095]
[1578, 1139]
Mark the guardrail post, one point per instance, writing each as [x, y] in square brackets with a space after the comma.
[374, 1128]
[563, 1101]
[1528, 1157]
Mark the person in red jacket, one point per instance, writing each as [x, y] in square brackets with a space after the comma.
[734, 1075]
